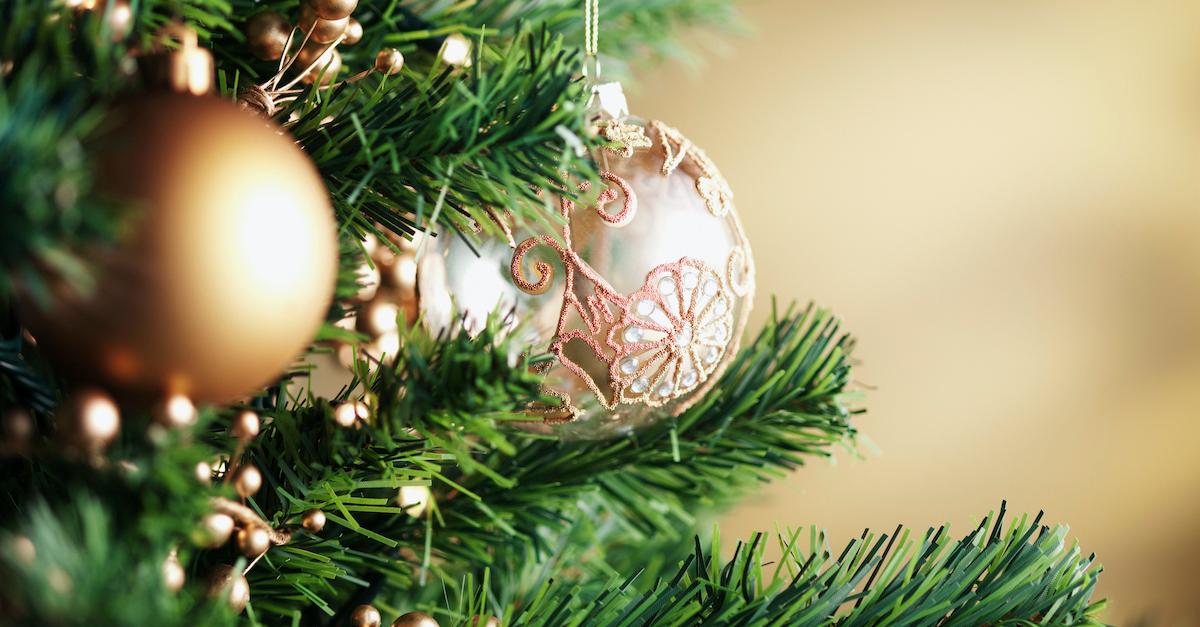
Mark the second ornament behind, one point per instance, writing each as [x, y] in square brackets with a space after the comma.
[641, 299]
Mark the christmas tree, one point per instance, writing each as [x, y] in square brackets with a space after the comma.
[325, 312]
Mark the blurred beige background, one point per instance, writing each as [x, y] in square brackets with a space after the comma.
[1002, 200]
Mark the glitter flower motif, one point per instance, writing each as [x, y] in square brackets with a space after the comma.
[672, 333]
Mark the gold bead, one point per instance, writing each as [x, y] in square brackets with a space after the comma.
[253, 540]
[16, 429]
[118, 16]
[403, 274]
[215, 529]
[267, 34]
[247, 480]
[173, 574]
[366, 616]
[324, 31]
[95, 419]
[389, 61]
[333, 9]
[245, 425]
[22, 548]
[175, 411]
[380, 317]
[230, 585]
[313, 520]
[415, 619]
[319, 61]
[345, 414]
[203, 472]
[414, 499]
[353, 34]
[456, 50]
[368, 282]
[490, 621]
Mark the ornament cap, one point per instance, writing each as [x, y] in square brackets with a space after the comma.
[608, 101]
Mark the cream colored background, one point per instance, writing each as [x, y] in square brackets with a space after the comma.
[1002, 200]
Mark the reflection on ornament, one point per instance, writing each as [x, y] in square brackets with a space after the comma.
[641, 299]
[230, 585]
[313, 520]
[366, 616]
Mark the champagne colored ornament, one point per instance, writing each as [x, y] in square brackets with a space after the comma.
[247, 480]
[175, 411]
[414, 499]
[319, 63]
[489, 621]
[313, 521]
[333, 9]
[245, 425]
[253, 540]
[173, 574]
[389, 61]
[229, 585]
[92, 420]
[228, 267]
[267, 35]
[366, 616]
[215, 529]
[353, 34]
[415, 619]
[323, 31]
[643, 297]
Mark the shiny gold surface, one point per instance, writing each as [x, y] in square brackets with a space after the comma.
[228, 263]
[322, 31]
[1002, 199]
[267, 35]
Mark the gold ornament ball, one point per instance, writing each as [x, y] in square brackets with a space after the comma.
[92, 419]
[253, 540]
[415, 619]
[215, 529]
[366, 616]
[490, 621]
[313, 520]
[247, 480]
[245, 425]
[389, 61]
[267, 35]
[319, 62]
[175, 411]
[22, 549]
[230, 585]
[380, 317]
[353, 34]
[228, 265]
[661, 277]
[173, 574]
[324, 31]
[333, 9]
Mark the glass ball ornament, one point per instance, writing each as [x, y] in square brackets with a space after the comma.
[641, 298]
